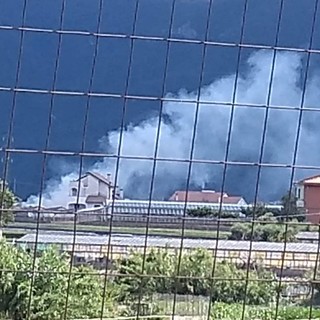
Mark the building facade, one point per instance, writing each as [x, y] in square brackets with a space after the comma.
[308, 197]
[92, 190]
[292, 255]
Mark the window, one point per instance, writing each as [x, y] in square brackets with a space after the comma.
[74, 192]
[85, 182]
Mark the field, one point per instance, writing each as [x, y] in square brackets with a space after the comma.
[197, 307]
[19, 229]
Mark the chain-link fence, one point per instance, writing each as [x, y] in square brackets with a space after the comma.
[160, 159]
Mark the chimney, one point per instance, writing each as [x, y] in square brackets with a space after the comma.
[118, 193]
[121, 195]
[109, 176]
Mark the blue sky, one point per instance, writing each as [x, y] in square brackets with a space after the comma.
[148, 61]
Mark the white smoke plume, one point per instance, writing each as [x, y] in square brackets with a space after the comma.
[176, 132]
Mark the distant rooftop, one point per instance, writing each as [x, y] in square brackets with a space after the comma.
[311, 180]
[98, 176]
[205, 196]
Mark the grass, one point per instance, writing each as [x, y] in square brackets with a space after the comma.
[22, 228]
[232, 311]
[198, 307]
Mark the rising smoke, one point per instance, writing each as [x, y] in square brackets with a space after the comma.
[176, 133]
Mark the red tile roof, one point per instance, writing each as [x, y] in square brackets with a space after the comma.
[311, 180]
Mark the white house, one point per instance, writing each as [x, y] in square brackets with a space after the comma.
[92, 190]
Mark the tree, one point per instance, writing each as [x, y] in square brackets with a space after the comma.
[195, 277]
[290, 209]
[136, 287]
[195, 272]
[202, 212]
[239, 231]
[232, 286]
[7, 201]
[267, 217]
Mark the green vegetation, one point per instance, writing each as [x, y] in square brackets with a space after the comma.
[128, 230]
[222, 311]
[228, 285]
[49, 289]
[259, 210]
[266, 229]
[271, 224]
[288, 212]
[135, 282]
[7, 200]
[56, 293]
[207, 212]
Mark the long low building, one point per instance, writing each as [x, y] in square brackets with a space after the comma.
[174, 208]
[270, 254]
[140, 207]
[308, 236]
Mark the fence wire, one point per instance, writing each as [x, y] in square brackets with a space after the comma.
[111, 230]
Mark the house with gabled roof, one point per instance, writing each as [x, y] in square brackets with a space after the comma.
[307, 193]
[92, 190]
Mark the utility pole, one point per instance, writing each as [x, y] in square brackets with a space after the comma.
[14, 185]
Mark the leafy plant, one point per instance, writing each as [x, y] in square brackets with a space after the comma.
[263, 231]
[207, 212]
[50, 285]
[7, 201]
[160, 275]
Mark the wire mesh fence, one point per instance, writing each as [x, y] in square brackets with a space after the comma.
[159, 159]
